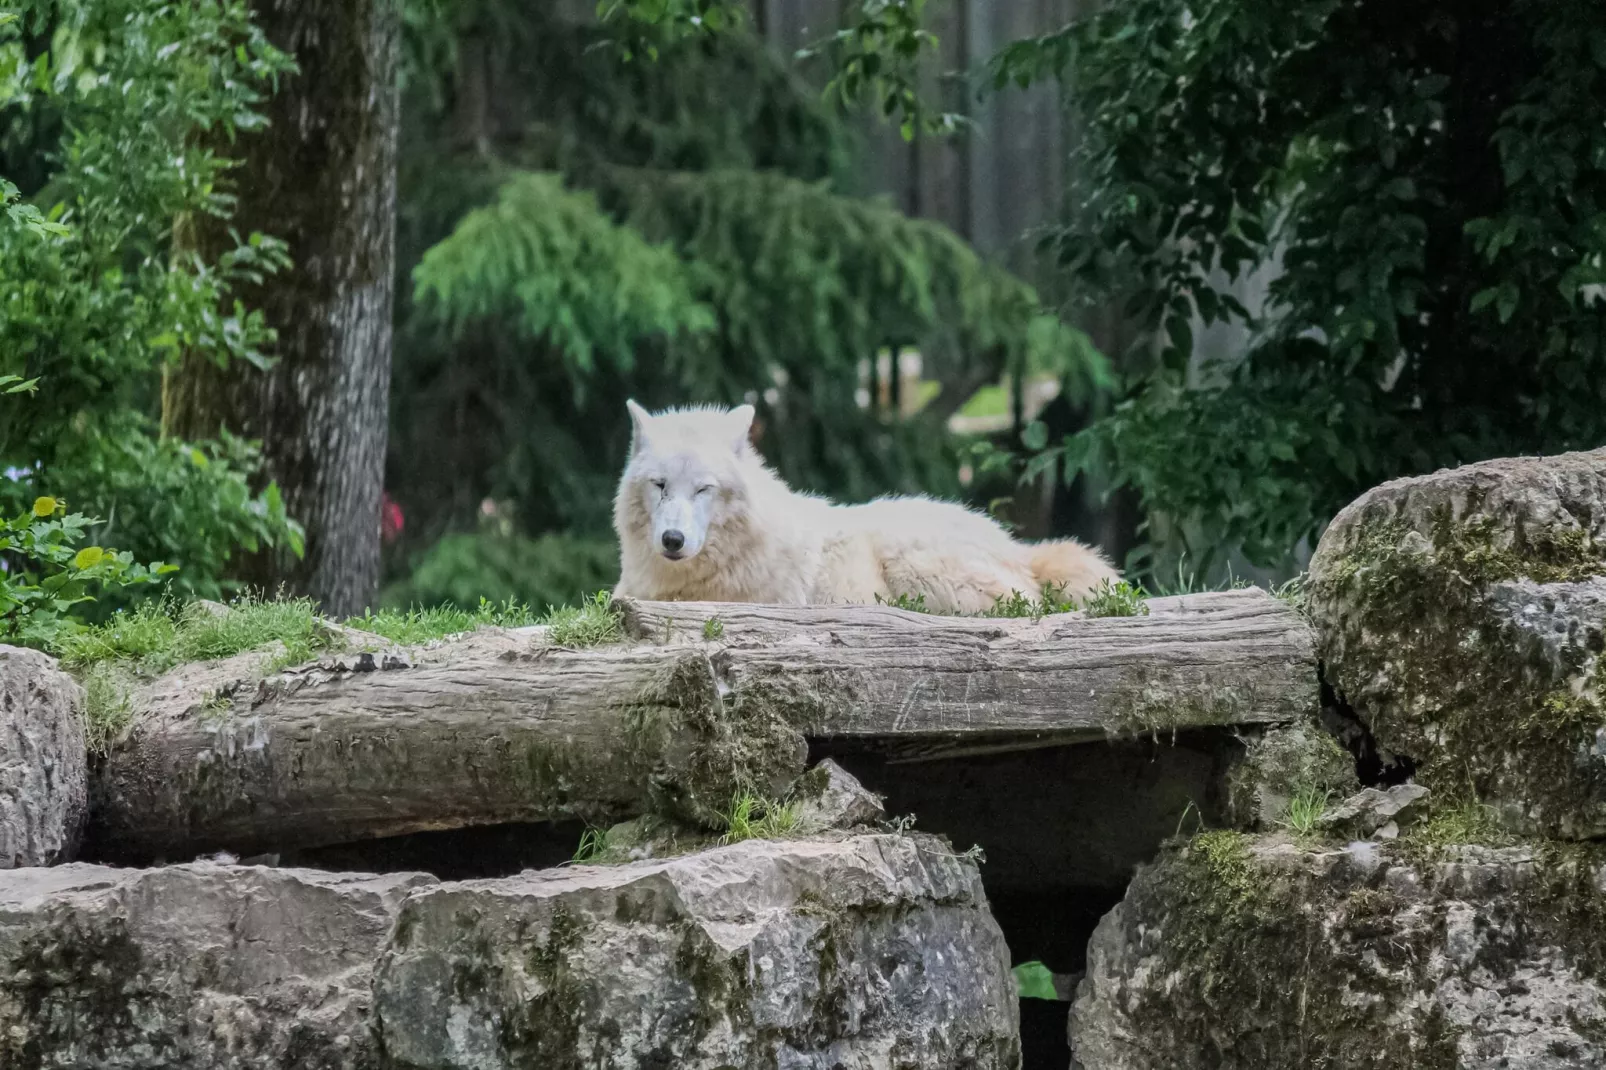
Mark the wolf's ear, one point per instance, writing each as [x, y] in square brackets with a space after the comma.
[639, 419]
[742, 424]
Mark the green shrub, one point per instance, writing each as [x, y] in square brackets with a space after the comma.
[549, 571]
[47, 573]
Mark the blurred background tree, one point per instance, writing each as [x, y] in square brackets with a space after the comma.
[1419, 191]
[1324, 243]
[592, 212]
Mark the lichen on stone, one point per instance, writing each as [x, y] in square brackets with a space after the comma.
[1411, 591]
[1262, 954]
[1284, 763]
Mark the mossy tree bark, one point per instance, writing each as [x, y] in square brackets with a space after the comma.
[322, 177]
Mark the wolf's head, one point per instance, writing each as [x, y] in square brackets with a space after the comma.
[685, 481]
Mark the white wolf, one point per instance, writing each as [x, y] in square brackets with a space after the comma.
[700, 517]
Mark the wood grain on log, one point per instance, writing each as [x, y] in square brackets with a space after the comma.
[503, 726]
[1221, 658]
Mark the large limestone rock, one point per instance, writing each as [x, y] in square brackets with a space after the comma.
[874, 952]
[865, 953]
[1462, 616]
[1265, 955]
[226, 967]
[43, 761]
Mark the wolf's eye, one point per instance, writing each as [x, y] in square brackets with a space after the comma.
[708, 489]
[659, 485]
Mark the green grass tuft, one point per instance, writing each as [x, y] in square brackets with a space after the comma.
[1292, 593]
[108, 707]
[1305, 810]
[1117, 599]
[591, 623]
[145, 632]
[914, 603]
[593, 845]
[753, 818]
[1461, 821]
[713, 628]
[412, 627]
[250, 624]
[155, 636]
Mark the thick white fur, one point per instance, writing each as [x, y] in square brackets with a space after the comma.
[748, 537]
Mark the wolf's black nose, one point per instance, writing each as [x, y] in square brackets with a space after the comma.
[673, 540]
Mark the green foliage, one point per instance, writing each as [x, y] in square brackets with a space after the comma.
[1033, 980]
[46, 573]
[1015, 605]
[192, 502]
[545, 261]
[1438, 218]
[911, 603]
[552, 570]
[1116, 599]
[591, 623]
[875, 61]
[102, 104]
[414, 626]
[713, 628]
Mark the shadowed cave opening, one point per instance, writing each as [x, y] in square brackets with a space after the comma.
[1062, 829]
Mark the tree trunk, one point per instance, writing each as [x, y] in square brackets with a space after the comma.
[322, 177]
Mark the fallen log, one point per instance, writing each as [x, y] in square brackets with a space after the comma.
[495, 727]
[504, 726]
[880, 673]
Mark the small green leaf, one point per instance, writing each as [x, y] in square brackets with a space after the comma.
[44, 506]
[88, 557]
[1506, 303]
[1033, 980]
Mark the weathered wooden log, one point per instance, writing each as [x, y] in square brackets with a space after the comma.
[495, 727]
[502, 726]
[958, 683]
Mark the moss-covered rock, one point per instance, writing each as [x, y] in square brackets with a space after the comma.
[875, 952]
[1461, 615]
[1264, 954]
[1300, 762]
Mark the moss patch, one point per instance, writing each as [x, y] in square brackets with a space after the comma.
[1284, 764]
[1261, 958]
[78, 988]
[1275, 955]
[699, 748]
